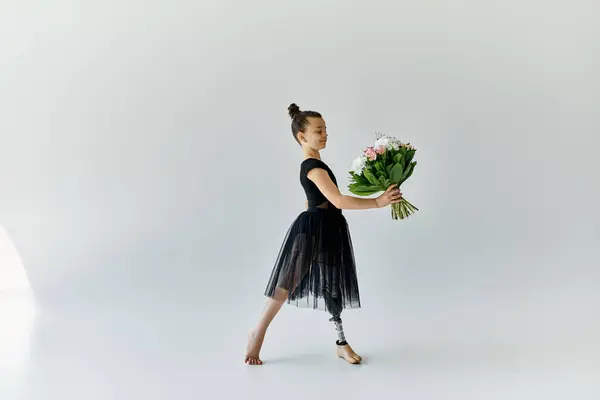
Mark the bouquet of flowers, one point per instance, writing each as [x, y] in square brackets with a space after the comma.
[386, 162]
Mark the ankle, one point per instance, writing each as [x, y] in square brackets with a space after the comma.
[341, 342]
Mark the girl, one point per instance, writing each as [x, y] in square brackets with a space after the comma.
[315, 267]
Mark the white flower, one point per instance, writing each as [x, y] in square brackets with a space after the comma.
[389, 142]
[379, 135]
[382, 141]
[359, 164]
[395, 144]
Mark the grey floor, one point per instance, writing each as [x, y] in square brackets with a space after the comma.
[168, 350]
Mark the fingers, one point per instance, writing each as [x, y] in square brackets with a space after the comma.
[393, 194]
[396, 196]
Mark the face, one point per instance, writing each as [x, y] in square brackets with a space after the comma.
[315, 135]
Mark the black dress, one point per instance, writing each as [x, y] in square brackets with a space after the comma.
[315, 266]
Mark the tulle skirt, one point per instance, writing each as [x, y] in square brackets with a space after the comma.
[315, 267]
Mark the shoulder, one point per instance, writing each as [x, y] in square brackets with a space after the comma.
[315, 170]
[311, 163]
[310, 167]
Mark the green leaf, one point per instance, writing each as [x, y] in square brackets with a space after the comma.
[360, 179]
[410, 171]
[396, 173]
[409, 155]
[414, 164]
[398, 158]
[407, 172]
[384, 181]
[368, 188]
[403, 151]
[355, 186]
[379, 167]
[370, 177]
[364, 190]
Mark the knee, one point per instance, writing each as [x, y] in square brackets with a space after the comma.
[280, 295]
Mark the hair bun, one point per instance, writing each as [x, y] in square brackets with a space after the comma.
[293, 110]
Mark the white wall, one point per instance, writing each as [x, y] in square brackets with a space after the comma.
[13, 276]
[145, 146]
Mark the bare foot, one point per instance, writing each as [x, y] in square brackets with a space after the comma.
[348, 354]
[255, 341]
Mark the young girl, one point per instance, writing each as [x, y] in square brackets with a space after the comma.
[315, 267]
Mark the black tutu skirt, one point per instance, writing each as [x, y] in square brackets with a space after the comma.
[315, 267]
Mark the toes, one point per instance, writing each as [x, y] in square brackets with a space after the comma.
[254, 361]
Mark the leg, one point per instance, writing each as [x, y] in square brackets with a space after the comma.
[257, 335]
[343, 348]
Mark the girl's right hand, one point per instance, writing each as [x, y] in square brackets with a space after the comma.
[391, 196]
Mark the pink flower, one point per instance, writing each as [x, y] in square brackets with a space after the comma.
[370, 153]
[380, 149]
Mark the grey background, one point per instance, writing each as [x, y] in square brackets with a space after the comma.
[146, 158]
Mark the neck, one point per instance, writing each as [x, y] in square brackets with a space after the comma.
[311, 153]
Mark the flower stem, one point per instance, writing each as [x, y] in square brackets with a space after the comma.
[402, 210]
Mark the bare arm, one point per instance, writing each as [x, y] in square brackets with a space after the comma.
[322, 180]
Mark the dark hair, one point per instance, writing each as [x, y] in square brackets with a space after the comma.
[300, 119]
